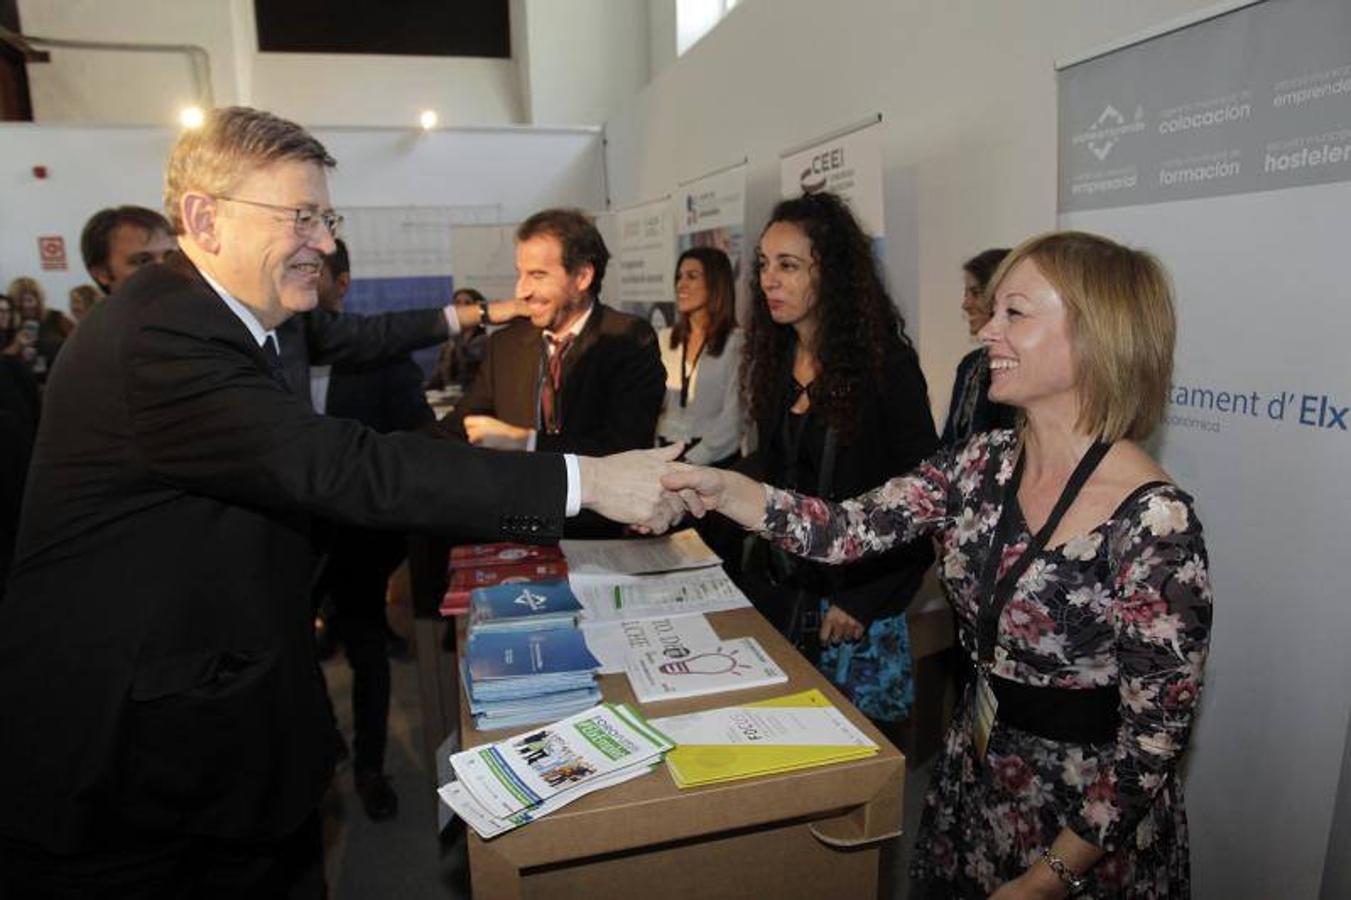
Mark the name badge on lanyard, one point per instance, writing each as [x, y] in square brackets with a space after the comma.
[982, 723]
[996, 591]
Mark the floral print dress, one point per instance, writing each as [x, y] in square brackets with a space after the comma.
[1127, 604]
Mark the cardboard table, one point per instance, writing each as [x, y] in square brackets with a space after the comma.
[812, 833]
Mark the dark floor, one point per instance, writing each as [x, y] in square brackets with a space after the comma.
[404, 857]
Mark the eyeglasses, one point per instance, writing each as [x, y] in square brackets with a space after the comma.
[306, 220]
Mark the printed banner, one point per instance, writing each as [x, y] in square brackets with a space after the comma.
[1224, 149]
[644, 262]
[711, 212]
[401, 258]
[849, 165]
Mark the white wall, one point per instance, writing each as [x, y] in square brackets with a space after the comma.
[586, 58]
[324, 90]
[515, 170]
[661, 33]
[127, 87]
[87, 86]
[967, 93]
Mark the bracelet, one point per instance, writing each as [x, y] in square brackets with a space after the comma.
[483, 312]
[1075, 883]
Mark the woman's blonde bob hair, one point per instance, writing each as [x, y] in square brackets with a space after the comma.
[1120, 306]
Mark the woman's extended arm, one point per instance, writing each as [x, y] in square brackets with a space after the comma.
[898, 511]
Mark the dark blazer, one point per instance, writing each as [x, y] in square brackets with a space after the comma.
[613, 384]
[354, 342]
[971, 411]
[385, 397]
[20, 405]
[894, 433]
[157, 669]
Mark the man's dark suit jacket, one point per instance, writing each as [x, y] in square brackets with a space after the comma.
[386, 398]
[613, 385]
[157, 669]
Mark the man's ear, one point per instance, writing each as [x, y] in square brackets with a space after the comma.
[342, 283]
[99, 272]
[585, 275]
[198, 212]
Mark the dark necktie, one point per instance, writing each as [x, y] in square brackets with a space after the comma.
[553, 383]
[274, 361]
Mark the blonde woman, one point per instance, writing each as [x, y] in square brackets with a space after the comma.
[1078, 573]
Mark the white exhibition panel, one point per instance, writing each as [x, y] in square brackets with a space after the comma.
[1263, 310]
[1223, 149]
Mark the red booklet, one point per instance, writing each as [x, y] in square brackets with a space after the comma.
[476, 556]
[464, 581]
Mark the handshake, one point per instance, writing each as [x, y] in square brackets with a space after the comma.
[651, 491]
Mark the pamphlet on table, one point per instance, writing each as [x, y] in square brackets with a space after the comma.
[487, 825]
[612, 642]
[730, 665]
[673, 552]
[468, 556]
[522, 772]
[626, 597]
[531, 606]
[796, 731]
[463, 582]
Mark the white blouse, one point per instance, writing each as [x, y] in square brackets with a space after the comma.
[713, 408]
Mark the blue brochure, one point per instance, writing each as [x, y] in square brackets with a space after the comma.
[523, 605]
[551, 655]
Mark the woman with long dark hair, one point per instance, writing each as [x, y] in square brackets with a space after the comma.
[702, 354]
[840, 405]
[971, 410]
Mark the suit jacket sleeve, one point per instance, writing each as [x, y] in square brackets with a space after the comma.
[405, 403]
[340, 339]
[209, 420]
[635, 386]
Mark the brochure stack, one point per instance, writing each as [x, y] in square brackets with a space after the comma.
[475, 566]
[504, 785]
[526, 659]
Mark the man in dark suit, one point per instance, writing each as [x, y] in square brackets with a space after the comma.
[578, 376]
[119, 240]
[386, 398]
[165, 727]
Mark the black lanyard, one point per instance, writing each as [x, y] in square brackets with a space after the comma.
[686, 375]
[995, 595]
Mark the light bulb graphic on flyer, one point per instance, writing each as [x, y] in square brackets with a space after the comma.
[729, 665]
[717, 662]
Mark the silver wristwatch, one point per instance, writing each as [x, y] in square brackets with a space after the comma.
[1075, 883]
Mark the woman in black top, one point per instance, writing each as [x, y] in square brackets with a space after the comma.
[834, 388]
[971, 410]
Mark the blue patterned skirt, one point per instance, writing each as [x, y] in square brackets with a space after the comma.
[874, 672]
